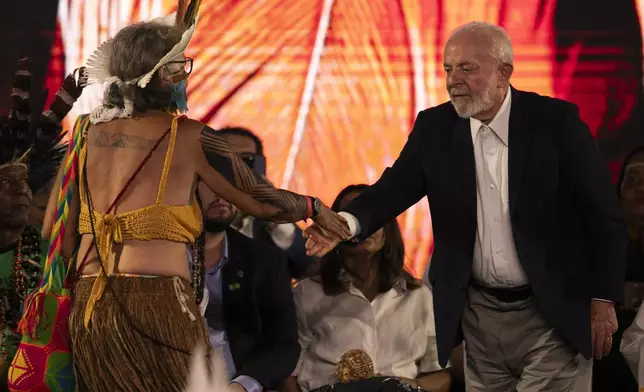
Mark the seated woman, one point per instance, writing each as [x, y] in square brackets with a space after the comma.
[135, 321]
[612, 373]
[364, 320]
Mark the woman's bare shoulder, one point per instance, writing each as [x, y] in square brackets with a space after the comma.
[190, 130]
[193, 126]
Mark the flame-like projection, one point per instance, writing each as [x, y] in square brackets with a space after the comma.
[331, 86]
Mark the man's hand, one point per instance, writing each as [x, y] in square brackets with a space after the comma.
[319, 241]
[603, 324]
[332, 223]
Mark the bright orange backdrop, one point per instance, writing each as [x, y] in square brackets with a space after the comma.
[332, 87]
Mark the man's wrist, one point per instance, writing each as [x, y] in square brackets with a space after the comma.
[352, 221]
[248, 383]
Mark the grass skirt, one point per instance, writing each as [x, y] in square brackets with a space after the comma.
[112, 356]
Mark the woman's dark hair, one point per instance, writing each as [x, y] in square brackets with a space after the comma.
[622, 171]
[135, 51]
[391, 266]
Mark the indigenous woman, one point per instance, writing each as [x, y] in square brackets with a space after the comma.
[135, 318]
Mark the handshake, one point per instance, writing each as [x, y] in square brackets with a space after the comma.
[326, 232]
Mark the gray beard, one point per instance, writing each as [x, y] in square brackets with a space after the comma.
[468, 111]
[478, 104]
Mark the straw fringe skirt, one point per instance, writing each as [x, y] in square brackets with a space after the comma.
[112, 356]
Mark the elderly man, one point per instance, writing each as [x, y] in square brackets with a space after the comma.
[530, 242]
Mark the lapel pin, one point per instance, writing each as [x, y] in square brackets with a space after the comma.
[234, 286]
[240, 273]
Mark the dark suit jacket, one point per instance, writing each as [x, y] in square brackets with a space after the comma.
[298, 262]
[566, 220]
[258, 308]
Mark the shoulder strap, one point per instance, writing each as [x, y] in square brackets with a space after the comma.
[54, 266]
[56, 271]
[168, 159]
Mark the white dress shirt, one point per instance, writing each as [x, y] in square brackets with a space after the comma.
[496, 262]
[283, 235]
[396, 330]
[632, 347]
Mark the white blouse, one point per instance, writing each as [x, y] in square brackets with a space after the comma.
[396, 330]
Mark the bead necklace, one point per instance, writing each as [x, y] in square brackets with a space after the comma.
[198, 270]
[18, 286]
[26, 255]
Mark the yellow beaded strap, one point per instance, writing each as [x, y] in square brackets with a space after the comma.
[108, 226]
[168, 160]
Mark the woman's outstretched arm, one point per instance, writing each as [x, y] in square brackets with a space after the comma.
[235, 181]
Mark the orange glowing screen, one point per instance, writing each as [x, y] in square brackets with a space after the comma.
[332, 87]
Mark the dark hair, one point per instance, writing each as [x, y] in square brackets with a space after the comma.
[390, 269]
[135, 51]
[241, 131]
[622, 171]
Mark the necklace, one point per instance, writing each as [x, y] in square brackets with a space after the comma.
[18, 293]
[25, 276]
[198, 270]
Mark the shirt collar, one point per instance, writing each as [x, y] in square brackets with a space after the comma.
[245, 226]
[500, 124]
[399, 286]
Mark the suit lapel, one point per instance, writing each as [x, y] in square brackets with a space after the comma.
[518, 142]
[463, 166]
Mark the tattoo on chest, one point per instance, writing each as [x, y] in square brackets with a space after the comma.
[118, 140]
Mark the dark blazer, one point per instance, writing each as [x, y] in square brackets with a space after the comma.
[298, 262]
[258, 308]
[566, 219]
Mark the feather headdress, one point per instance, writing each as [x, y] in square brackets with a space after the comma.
[185, 17]
[33, 141]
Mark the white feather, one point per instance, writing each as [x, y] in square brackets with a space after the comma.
[167, 20]
[98, 64]
[204, 302]
[179, 48]
[200, 381]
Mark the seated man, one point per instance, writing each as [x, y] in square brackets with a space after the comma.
[286, 236]
[250, 311]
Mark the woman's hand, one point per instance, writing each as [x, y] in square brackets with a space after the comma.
[410, 382]
[332, 222]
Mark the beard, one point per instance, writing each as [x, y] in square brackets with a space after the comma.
[217, 225]
[476, 104]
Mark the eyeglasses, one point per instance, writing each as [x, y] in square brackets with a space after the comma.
[256, 162]
[249, 159]
[175, 67]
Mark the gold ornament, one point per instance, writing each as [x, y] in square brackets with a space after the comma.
[355, 365]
